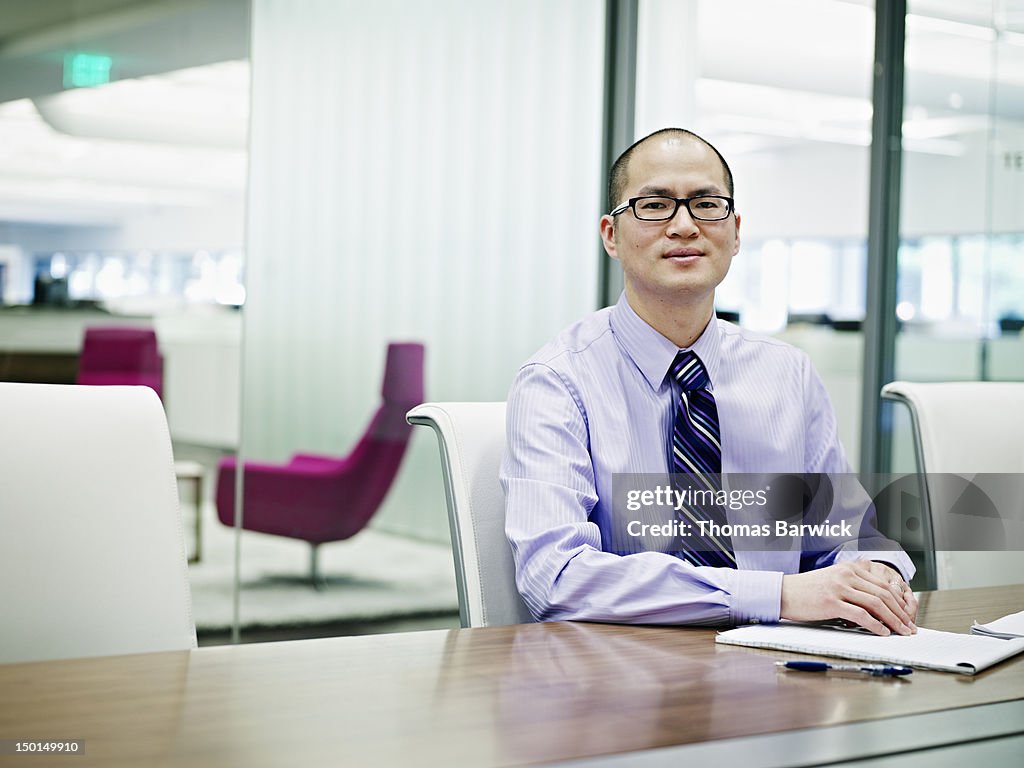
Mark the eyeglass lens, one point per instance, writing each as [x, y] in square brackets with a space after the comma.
[663, 208]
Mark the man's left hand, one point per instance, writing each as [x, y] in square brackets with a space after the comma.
[899, 587]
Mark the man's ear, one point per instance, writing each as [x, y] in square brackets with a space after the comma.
[608, 235]
[737, 248]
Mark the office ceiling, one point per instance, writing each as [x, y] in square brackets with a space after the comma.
[1007, 14]
[167, 133]
[23, 17]
[141, 38]
[172, 127]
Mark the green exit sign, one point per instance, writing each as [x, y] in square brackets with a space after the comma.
[84, 69]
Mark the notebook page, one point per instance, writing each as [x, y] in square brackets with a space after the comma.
[1007, 626]
[929, 648]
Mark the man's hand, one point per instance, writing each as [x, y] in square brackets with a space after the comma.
[870, 594]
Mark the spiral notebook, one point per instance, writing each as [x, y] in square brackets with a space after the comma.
[928, 649]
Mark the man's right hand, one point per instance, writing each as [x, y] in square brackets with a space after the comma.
[867, 593]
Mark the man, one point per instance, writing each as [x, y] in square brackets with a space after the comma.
[603, 398]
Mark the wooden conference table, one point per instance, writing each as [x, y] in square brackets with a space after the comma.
[515, 695]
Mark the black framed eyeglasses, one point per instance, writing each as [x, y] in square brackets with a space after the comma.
[658, 208]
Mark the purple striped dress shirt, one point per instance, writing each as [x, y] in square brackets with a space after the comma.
[596, 402]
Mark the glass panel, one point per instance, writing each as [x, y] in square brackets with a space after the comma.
[797, 137]
[469, 119]
[122, 204]
[961, 275]
[961, 272]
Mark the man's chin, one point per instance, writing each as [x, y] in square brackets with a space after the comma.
[682, 292]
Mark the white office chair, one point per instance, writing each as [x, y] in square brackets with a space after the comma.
[92, 552]
[472, 439]
[968, 428]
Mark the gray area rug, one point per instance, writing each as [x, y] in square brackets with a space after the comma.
[372, 576]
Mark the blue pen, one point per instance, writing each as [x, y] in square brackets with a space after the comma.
[875, 670]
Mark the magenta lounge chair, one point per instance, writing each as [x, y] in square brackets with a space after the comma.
[323, 498]
[119, 355]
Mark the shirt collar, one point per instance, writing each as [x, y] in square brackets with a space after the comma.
[652, 353]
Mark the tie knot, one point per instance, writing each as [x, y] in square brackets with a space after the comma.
[689, 371]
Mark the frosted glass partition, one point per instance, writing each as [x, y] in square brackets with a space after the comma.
[419, 171]
[961, 279]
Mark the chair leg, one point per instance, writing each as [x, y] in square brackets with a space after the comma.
[314, 567]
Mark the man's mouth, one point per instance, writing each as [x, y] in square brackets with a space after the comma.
[683, 253]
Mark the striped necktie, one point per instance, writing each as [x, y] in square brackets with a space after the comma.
[696, 463]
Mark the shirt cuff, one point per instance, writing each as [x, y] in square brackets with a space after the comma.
[756, 597]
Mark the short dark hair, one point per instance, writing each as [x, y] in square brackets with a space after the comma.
[620, 168]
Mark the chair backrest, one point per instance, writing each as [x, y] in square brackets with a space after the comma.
[403, 373]
[401, 389]
[340, 495]
[121, 355]
[472, 440]
[964, 429]
[92, 550]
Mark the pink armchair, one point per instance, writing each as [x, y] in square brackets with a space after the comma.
[119, 355]
[323, 498]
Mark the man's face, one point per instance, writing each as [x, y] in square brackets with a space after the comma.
[680, 261]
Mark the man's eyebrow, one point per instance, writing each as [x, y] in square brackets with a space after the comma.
[712, 190]
[666, 192]
[652, 190]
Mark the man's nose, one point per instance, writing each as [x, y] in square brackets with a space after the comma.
[682, 222]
